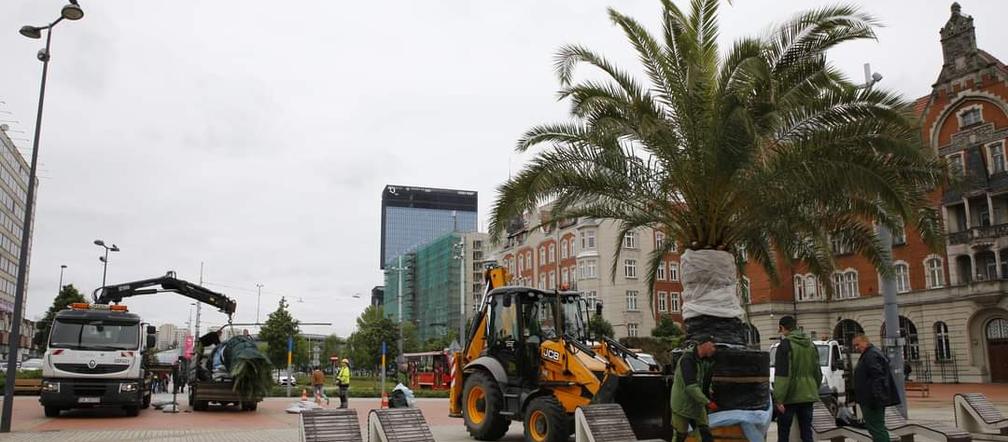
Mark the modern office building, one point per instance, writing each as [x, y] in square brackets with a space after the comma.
[13, 194]
[414, 216]
[438, 278]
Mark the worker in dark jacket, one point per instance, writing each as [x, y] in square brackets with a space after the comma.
[874, 386]
[691, 390]
[797, 378]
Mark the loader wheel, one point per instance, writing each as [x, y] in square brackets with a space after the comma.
[546, 421]
[481, 405]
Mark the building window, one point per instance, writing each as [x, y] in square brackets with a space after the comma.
[996, 157]
[675, 303]
[799, 288]
[587, 240]
[563, 249]
[845, 284]
[552, 280]
[673, 271]
[542, 282]
[840, 245]
[743, 290]
[955, 163]
[935, 272]
[970, 116]
[528, 260]
[587, 268]
[521, 261]
[659, 240]
[591, 297]
[902, 277]
[631, 330]
[630, 240]
[630, 268]
[660, 272]
[565, 276]
[552, 253]
[899, 236]
[542, 255]
[673, 247]
[631, 300]
[807, 288]
[662, 302]
[943, 347]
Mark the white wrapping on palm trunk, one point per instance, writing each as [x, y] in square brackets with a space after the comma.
[710, 283]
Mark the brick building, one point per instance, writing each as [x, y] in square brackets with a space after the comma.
[953, 307]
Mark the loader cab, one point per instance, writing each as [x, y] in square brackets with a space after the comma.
[521, 319]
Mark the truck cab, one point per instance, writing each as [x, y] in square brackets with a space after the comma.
[95, 358]
[833, 365]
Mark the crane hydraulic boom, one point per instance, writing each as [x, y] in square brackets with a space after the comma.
[168, 283]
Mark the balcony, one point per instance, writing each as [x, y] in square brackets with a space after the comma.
[978, 234]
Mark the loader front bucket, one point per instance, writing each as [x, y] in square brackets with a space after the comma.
[645, 400]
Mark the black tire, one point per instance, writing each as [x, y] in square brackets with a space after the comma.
[249, 406]
[145, 402]
[201, 405]
[52, 411]
[192, 398]
[488, 400]
[132, 410]
[546, 421]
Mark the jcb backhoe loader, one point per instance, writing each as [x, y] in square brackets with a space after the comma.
[529, 358]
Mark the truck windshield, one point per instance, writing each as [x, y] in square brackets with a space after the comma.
[822, 349]
[97, 335]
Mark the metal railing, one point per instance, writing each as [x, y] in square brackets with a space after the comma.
[927, 369]
[977, 233]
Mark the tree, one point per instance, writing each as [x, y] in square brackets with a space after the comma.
[332, 346]
[666, 328]
[599, 327]
[279, 326]
[365, 343]
[765, 146]
[411, 338]
[68, 294]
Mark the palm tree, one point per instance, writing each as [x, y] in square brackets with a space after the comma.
[766, 146]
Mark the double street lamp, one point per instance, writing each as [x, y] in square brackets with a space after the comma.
[104, 259]
[71, 12]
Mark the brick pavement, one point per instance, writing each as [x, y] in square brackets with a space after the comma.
[271, 423]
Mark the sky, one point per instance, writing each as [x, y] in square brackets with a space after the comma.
[255, 137]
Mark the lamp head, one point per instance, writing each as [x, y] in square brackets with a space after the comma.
[114, 248]
[876, 77]
[63, 266]
[72, 11]
[31, 32]
[101, 258]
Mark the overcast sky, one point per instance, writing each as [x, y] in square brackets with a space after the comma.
[256, 136]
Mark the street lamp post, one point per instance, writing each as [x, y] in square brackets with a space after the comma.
[460, 255]
[62, 267]
[258, 298]
[71, 11]
[104, 259]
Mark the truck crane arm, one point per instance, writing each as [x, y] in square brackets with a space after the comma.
[168, 283]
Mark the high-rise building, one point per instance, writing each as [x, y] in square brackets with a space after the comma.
[413, 216]
[170, 336]
[13, 194]
[438, 277]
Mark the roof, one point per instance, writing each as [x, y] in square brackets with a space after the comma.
[920, 105]
[988, 58]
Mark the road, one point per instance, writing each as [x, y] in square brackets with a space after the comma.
[272, 423]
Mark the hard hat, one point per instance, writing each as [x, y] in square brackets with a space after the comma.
[346, 361]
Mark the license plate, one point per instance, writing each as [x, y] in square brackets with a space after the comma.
[89, 400]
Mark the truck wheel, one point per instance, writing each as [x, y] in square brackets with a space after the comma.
[482, 403]
[52, 411]
[201, 405]
[546, 421]
[132, 410]
[249, 406]
[145, 402]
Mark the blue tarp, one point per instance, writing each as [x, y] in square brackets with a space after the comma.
[753, 422]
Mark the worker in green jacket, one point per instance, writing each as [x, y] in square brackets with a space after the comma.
[343, 380]
[691, 390]
[797, 378]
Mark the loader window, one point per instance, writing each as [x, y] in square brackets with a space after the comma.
[503, 340]
[574, 316]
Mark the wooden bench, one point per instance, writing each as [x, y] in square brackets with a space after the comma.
[330, 425]
[27, 386]
[906, 430]
[398, 425]
[924, 389]
[975, 413]
[602, 423]
[824, 427]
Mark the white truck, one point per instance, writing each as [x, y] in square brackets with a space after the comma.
[95, 358]
[834, 366]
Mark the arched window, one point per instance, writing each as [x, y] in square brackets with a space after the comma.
[997, 329]
[907, 331]
[563, 248]
[845, 331]
[902, 277]
[845, 284]
[935, 272]
[812, 289]
[943, 348]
